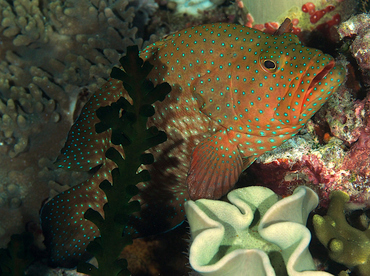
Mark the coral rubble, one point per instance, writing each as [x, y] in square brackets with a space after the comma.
[357, 28]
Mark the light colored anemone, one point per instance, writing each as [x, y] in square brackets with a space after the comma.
[255, 235]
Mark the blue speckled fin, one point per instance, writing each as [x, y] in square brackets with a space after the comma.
[67, 232]
[215, 167]
[84, 148]
[247, 161]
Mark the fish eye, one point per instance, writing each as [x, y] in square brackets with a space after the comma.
[269, 65]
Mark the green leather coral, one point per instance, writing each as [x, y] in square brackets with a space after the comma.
[255, 235]
[345, 244]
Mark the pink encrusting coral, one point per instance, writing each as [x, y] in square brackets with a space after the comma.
[342, 163]
[357, 160]
[324, 169]
[298, 163]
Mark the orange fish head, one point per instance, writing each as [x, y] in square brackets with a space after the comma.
[269, 88]
[287, 84]
[308, 79]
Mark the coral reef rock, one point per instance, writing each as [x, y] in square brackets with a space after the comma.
[358, 29]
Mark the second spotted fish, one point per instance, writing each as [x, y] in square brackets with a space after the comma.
[236, 94]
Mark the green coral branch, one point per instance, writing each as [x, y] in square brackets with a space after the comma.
[129, 129]
[18, 256]
[345, 244]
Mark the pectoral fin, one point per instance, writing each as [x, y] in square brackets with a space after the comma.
[215, 167]
[248, 161]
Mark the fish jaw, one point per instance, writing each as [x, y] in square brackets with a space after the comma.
[309, 90]
[321, 88]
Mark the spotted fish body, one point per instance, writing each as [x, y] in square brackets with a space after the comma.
[236, 93]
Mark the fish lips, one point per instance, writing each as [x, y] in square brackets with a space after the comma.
[317, 85]
[309, 90]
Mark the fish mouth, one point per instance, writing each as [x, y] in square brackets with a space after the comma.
[315, 81]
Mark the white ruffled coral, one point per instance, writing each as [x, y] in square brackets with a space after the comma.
[255, 235]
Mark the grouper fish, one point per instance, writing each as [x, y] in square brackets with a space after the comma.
[236, 94]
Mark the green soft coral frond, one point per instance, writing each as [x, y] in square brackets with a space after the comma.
[128, 123]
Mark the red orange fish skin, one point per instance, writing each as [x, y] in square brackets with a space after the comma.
[236, 93]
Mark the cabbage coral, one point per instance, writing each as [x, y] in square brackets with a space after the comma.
[254, 235]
